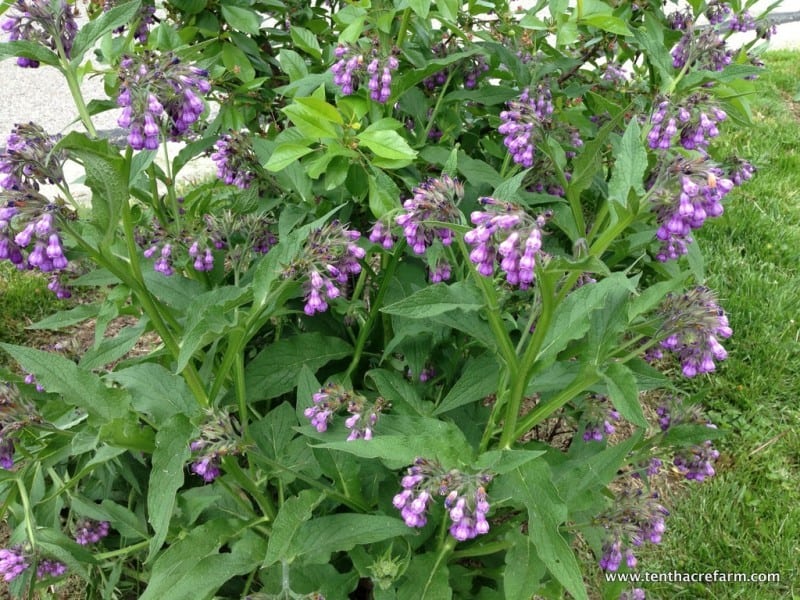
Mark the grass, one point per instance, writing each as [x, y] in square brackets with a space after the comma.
[747, 519]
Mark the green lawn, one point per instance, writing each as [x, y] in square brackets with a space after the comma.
[747, 519]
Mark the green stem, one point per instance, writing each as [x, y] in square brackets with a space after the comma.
[401, 34]
[437, 106]
[482, 550]
[241, 392]
[75, 89]
[26, 506]
[375, 307]
[504, 167]
[122, 551]
[544, 410]
[170, 184]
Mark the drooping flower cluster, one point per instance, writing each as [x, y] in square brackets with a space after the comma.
[600, 417]
[16, 560]
[695, 462]
[352, 65]
[703, 48]
[522, 122]
[741, 171]
[48, 23]
[363, 413]
[635, 519]
[243, 236]
[694, 122]
[330, 256]
[465, 498]
[506, 233]
[692, 327]
[435, 200]
[171, 252]
[689, 191]
[29, 159]
[143, 19]
[218, 438]
[90, 532]
[235, 159]
[159, 94]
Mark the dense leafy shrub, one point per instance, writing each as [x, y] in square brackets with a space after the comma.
[449, 247]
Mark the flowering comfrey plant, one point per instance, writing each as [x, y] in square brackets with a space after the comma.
[187, 431]
[50, 23]
[160, 97]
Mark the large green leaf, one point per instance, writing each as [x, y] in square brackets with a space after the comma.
[624, 392]
[305, 40]
[479, 379]
[155, 391]
[630, 166]
[290, 518]
[311, 122]
[524, 569]
[166, 476]
[285, 154]
[427, 577]
[79, 387]
[437, 299]
[400, 393]
[386, 143]
[242, 19]
[275, 369]
[92, 31]
[25, 49]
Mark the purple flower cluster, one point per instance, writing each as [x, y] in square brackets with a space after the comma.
[742, 22]
[522, 122]
[440, 271]
[693, 325]
[363, 414]
[475, 68]
[689, 191]
[331, 255]
[50, 24]
[506, 233]
[351, 66]
[159, 94]
[636, 519]
[218, 438]
[717, 12]
[170, 252]
[741, 171]
[702, 48]
[634, 594]
[696, 462]
[465, 498]
[694, 123]
[15, 561]
[600, 417]
[90, 532]
[144, 18]
[50, 568]
[29, 158]
[235, 159]
[434, 200]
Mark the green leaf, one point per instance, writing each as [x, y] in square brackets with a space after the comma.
[176, 291]
[305, 40]
[507, 191]
[690, 433]
[624, 393]
[32, 50]
[437, 299]
[166, 476]
[290, 518]
[292, 64]
[311, 123]
[384, 195]
[630, 165]
[387, 144]
[78, 386]
[531, 484]
[608, 23]
[275, 369]
[505, 461]
[285, 154]
[478, 380]
[155, 391]
[396, 390]
[593, 471]
[242, 19]
[322, 109]
[426, 577]
[112, 348]
[106, 176]
[65, 318]
[57, 545]
[208, 317]
[420, 7]
[524, 569]
[92, 31]
[274, 432]
[237, 62]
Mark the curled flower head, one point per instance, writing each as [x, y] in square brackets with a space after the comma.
[90, 532]
[522, 122]
[50, 568]
[235, 159]
[465, 500]
[703, 48]
[331, 255]
[506, 233]
[29, 158]
[352, 65]
[695, 462]
[363, 414]
[693, 325]
[218, 437]
[159, 94]
[434, 200]
[600, 418]
[49, 23]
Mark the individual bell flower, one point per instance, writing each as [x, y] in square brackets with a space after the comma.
[505, 233]
[29, 158]
[328, 260]
[466, 501]
[50, 23]
[218, 437]
[433, 200]
[522, 123]
[159, 96]
[693, 324]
